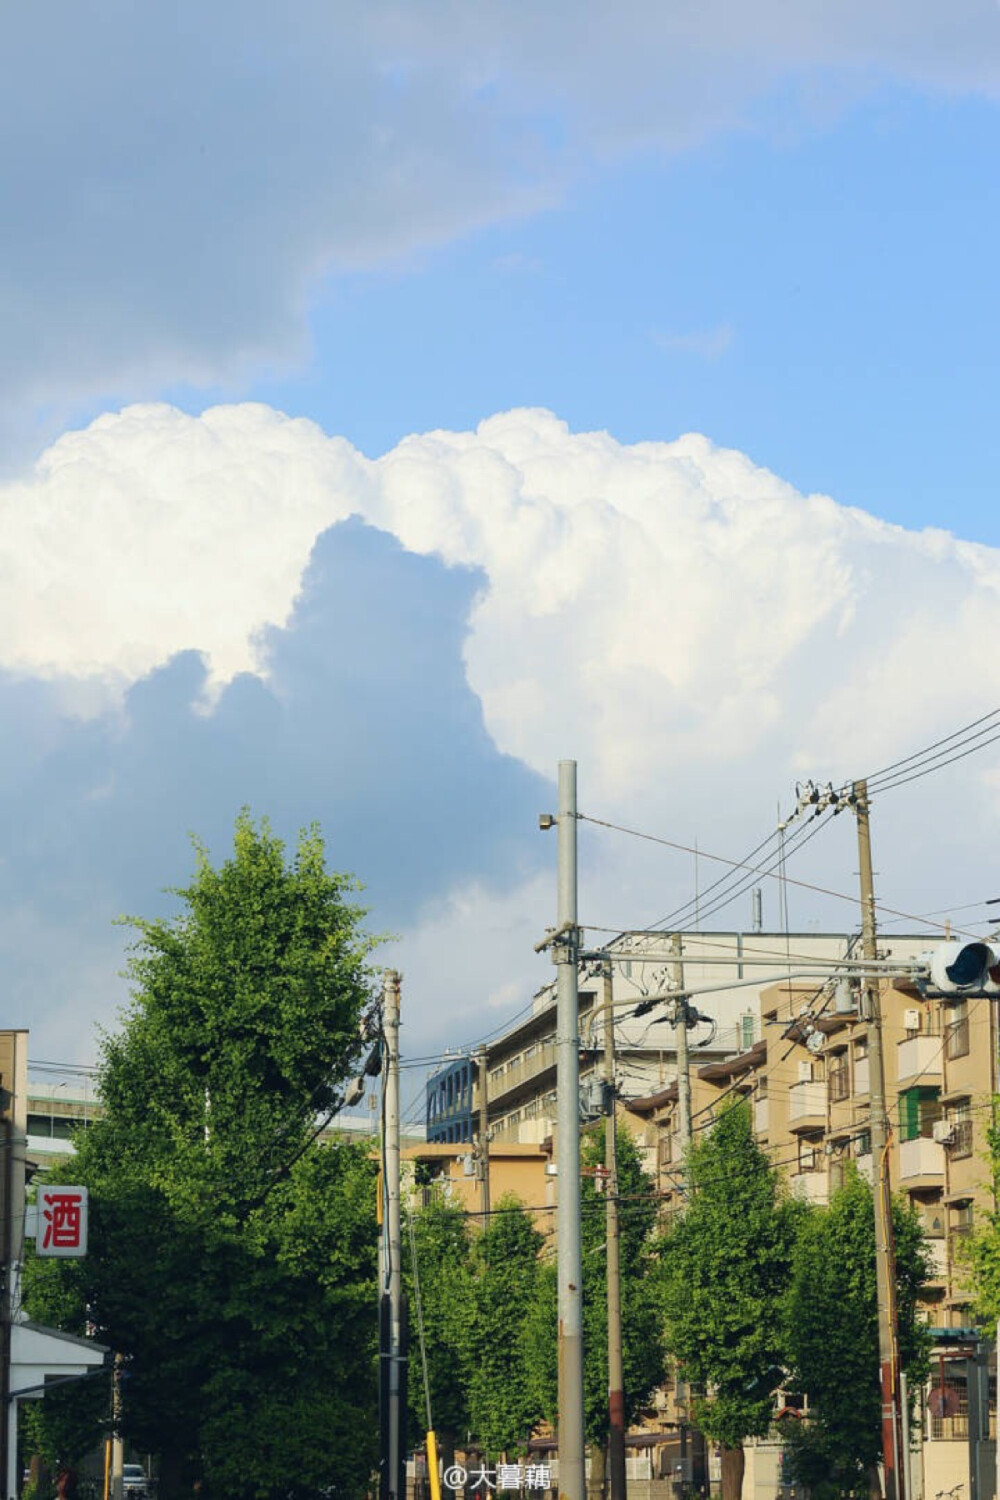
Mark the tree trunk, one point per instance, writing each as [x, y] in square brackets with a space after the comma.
[733, 1464]
[598, 1469]
[173, 1483]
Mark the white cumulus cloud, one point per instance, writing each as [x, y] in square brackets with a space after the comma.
[691, 628]
[647, 603]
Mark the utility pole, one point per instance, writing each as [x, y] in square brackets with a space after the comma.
[616, 1379]
[683, 1057]
[484, 1136]
[885, 1260]
[7, 1439]
[117, 1441]
[394, 1458]
[566, 943]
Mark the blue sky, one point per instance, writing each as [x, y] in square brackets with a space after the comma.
[821, 295]
[255, 268]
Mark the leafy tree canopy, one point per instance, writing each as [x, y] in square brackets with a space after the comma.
[232, 1256]
[832, 1333]
[642, 1343]
[724, 1266]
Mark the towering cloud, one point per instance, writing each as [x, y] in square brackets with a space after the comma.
[202, 612]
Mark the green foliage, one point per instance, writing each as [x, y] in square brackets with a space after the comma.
[475, 1290]
[442, 1242]
[832, 1333]
[642, 1343]
[982, 1249]
[724, 1265]
[232, 1259]
[502, 1287]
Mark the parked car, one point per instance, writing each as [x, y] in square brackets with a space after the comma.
[134, 1482]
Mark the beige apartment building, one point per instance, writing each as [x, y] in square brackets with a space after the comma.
[807, 1082]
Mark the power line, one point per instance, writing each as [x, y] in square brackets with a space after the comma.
[921, 754]
[805, 885]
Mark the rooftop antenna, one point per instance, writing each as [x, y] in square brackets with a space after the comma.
[756, 910]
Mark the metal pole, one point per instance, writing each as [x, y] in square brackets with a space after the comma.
[904, 1402]
[8, 1459]
[484, 1136]
[117, 1441]
[885, 1269]
[616, 1379]
[572, 1481]
[683, 1057]
[394, 1238]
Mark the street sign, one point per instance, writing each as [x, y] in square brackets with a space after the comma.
[62, 1221]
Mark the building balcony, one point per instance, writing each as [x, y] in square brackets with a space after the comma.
[812, 1187]
[807, 1105]
[919, 1057]
[517, 1075]
[937, 1256]
[761, 1116]
[921, 1163]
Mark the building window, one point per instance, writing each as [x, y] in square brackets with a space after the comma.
[919, 1109]
[957, 1031]
[961, 1120]
[839, 1078]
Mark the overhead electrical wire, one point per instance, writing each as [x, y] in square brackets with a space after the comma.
[994, 714]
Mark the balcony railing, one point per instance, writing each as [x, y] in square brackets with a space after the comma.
[806, 1100]
[810, 1186]
[919, 1056]
[543, 1057]
[921, 1157]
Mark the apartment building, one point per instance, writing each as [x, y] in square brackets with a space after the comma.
[734, 968]
[807, 1081]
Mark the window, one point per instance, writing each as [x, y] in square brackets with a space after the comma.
[839, 1078]
[961, 1119]
[957, 1031]
[919, 1108]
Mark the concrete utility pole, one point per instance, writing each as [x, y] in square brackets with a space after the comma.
[7, 1441]
[683, 1057]
[572, 1481]
[484, 1135]
[616, 1379]
[885, 1259]
[396, 1457]
[117, 1441]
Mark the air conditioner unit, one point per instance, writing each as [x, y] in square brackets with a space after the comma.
[944, 1132]
[911, 1020]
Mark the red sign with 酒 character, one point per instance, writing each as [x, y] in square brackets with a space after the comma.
[62, 1221]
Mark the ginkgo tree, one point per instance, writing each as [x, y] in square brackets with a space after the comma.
[232, 1253]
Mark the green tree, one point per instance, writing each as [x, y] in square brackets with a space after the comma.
[724, 1266]
[504, 1270]
[441, 1241]
[982, 1249]
[832, 1335]
[232, 1256]
[642, 1341]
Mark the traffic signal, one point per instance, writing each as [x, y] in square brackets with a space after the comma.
[958, 968]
